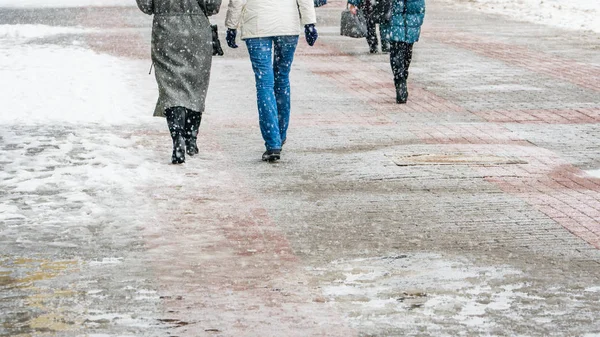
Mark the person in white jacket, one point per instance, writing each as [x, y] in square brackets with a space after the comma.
[271, 29]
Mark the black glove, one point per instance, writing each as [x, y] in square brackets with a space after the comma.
[310, 32]
[231, 33]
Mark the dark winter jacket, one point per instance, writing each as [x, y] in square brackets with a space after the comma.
[181, 52]
[406, 21]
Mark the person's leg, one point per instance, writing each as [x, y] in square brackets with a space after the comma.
[192, 124]
[176, 122]
[284, 49]
[371, 27]
[385, 41]
[396, 59]
[260, 50]
[398, 52]
[408, 51]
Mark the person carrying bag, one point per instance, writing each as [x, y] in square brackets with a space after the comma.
[353, 23]
[403, 29]
[377, 12]
[182, 59]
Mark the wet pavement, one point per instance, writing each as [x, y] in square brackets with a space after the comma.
[469, 211]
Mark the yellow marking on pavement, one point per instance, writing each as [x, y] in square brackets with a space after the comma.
[53, 319]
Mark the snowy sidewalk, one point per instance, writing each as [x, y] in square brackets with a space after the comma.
[471, 210]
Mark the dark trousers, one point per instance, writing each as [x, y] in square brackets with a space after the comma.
[400, 57]
[372, 28]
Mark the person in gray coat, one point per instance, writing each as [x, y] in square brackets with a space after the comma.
[182, 56]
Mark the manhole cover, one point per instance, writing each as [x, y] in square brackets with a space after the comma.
[454, 159]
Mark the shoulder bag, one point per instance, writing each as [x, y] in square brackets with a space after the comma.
[353, 25]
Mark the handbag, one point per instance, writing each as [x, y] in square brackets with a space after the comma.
[210, 7]
[381, 11]
[353, 25]
[319, 3]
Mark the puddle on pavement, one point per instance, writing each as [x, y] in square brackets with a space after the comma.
[427, 292]
[33, 302]
[18, 278]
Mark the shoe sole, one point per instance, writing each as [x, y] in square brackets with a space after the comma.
[272, 158]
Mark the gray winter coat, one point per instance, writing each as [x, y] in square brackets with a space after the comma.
[181, 52]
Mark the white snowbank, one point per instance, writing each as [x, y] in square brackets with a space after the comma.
[23, 32]
[72, 145]
[44, 83]
[571, 14]
[64, 3]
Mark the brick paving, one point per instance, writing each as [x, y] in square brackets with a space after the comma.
[338, 240]
[583, 220]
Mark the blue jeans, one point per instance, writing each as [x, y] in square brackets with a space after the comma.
[271, 59]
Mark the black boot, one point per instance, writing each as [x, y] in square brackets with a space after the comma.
[176, 122]
[192, 124]
[216, 43]
[373, 49]
[400, 57]
[401, 90]
[385, 46]
[271, 155]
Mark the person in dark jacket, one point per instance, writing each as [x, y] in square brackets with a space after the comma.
[403, 30]
[182, 48]
[372, 30]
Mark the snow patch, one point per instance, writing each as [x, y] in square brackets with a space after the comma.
[9, 212]
[99, 319]
[64, 3]
[53, 84]
[107, 260]
[571, 14]
[398, 293]
[594, 173]
[23, 32]
[404, 294]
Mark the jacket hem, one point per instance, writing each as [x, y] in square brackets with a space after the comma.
[269, 35]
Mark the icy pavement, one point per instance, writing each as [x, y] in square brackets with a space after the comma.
[441, 297]
[101, 236]
[73, 161]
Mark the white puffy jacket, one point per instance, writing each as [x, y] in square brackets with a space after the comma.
[262, 18]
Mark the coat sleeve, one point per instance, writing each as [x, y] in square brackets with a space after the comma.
[234, 13]
[146, 6]
[307, 11]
